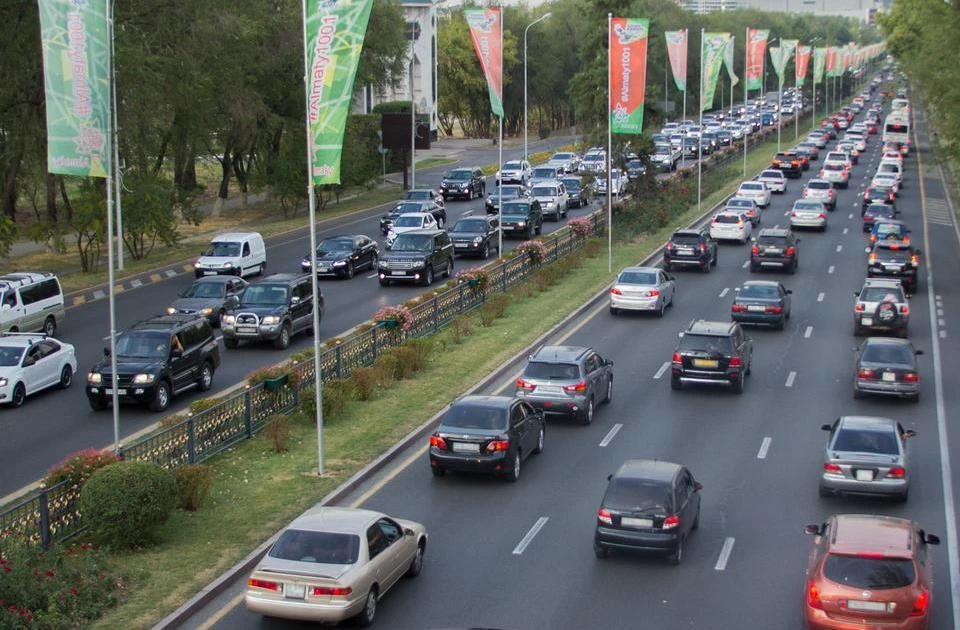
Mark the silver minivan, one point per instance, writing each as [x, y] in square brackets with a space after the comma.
[30, 301]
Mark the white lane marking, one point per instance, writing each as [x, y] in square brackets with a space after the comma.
[526, 540]
[169, 273]
[372, 275]
[941, 323]
[724, 554]
[830, 269]
[845, 230]
[790, 378]
[839, 248]
[787, 213]
[808, 332]
[764, 448]
[725, 291]
[663, 368]
[943, 334]
[939, 312]
[938, 298]
[820, 297]
[850, 216]
[745, 264]
[610, 435]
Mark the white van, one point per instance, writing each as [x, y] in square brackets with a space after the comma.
[233, 254]
[30, 301]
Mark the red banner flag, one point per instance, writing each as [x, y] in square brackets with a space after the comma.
[677, 51]
[801, 63]
[628, 73]
[486, 31]
[756, 49]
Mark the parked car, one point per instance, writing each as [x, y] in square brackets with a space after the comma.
[761, 302]
[417, 256]
[881, 305]
[566, 381]
[476, 236]
[343, 255]
[888, 367]
[33, 362]
[712, 352]
[209, 297]
[273, 309]
[522, 217]
[642, 289]
[694, 247]
[463, 182]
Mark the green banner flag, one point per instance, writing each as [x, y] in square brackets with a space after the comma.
[76, 81]
[819, 63]
[711, 59]
[780, 55]
[728, 61]
[334, 37]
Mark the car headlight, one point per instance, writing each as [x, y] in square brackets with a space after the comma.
[417, 264]
[171, 310]
[521, 223]
[227, 265]
[270, 320]
[206, 311]
[3, 381]
[94, 378]
[197, 265]
[143, 379]
[340, 263]
[382, 264]
[305, 263]
[229, 320]
[477, 239]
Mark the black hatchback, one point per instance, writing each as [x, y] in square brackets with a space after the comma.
[491, 434]
[650, 506]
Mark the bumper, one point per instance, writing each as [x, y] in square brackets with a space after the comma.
[302, 610]
[566, 406]
[128, 393]
[699, 261]
[706, 376]
[468, 249]
[252, 333]
[661, 543]
[406, 275]
[495, 463]
[807, 223]
[781, 263]
[326, 271]
[884, 487]
[905, 276]
[456, 192]
[887, 388]
[552, 211]
[820, 620]
[515, 229]
[868, 321]
[757, 318]
[199, 272]
[635, 303]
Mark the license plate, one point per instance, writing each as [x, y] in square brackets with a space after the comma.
[465, 447]
[294, 591]
[856, 604]
[706, 363]
[549, 389]
[866, 321]
[398, 273]
[209, 273]
[889, 377]
[893, 267]
[772, 250]
[322, 268]
[686, 251]
[626, 521]
[246, 330]
[120, 392]
[863, 475]
[756, 308]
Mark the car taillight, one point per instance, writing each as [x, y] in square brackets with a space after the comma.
[264, 584]
[905, 309]
[920, 605]
[872, 258]
[776, 310]
[604, 516]
[669, 246]
[703, 248]
[739, 308]
[911, 377]
[676, 358]
[740, 223]
[915, 259]
[438, 442]
[864, 373]
[577, 388]
[331, 591]
[859, 307]
[754, 250]
[735, 362]
[873, 239]
[497, 445]
[831, 468]
[813, 596]
[616, 291]
[653, 293]
[525, 385]
[898, 472]
[671, 522]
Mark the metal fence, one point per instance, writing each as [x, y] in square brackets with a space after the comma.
[51, 514]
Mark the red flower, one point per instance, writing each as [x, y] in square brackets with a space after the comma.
[49, 573]
[73, 591]
[7, 570]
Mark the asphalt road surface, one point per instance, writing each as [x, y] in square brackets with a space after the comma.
[757, 456]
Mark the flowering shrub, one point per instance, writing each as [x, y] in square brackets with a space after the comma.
[536, 251]
[78, 467]
[271, 372]
[475, 277]
[399, 314]
[581, 226]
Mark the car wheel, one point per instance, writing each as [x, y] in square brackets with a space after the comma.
[384, 282]
[66, 377]
[485, 252]
[205, 380]
[716, 253]
[350, 270]
[161, 397]
[97, 403]
[677, 556]
[231, 343]
[49, 326]
[600, 551]
[614, 310]
[588, 412]
[793, 268]
[705, 267]
[675, 383]
[608, 397]
[448, 272]
[260, 269]
[437, 471]
[738, 384]
[369, 612]
[914, 398]
[514, 473]
[416, 565]
[283, 341]
[779, 325]
[660, 310]
[902, 333]
[540, 436]
[19, 395]
[428, 277]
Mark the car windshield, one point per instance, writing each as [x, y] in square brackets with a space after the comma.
[507, 192]
[544, 191]
[865, 441]
[706, 343]
[516, 209]
[465, 416]
[637, 277]
[888, 353]
[264, 295]
[205, 290]
[630, 494]
[423, 195]
[316, 547]
[512, 166]
[759, 291]
[470, 225]
[335, 245]
[404, 208]
[10, 355]
[573, 185]
[458, 174]
[562, 156]
[143, 345]
[222, 248]
[816, 185]
[408, 221]
[869, 572]
[552, 371]
[413, 243]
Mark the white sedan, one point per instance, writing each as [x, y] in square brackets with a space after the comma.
[642, 289]
[731, 226]
[755, 190]
[30, 363]
[409, 222]
[886, 180]
[774, 180]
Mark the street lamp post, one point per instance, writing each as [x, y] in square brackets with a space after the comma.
[539, 19]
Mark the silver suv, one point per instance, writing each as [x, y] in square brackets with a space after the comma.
[566, 380]
[881, 306]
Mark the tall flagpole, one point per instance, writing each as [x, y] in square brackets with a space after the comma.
[500, 149]
[780, 95]
[746, 92]
[813, 122]
[686, 74]
[311, 214]
[413, 123]
[112, 301]
[609, 152]
[700, 136]
[796, 114]
[118, 181]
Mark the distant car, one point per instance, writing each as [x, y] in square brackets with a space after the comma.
[755, 190]
[694, 247]
[334, 563]
[564, 162]
[850, 150]
[209, 296]
[463, 182]
[808, 213]
[594, 161]
[476, 236]
[810, 149]
[514, 172]
[508, 192]
[408, 222]
[566, 381]
[761, 302]
[836, 174]
[877, 194]
[543, 175]
[342, 256]
[745, 206]
[775, 247]
[731, 226]
[490, 434]
[887, 367]
[865, 455]
[424, 194]
[774, 180]
[636, 168]
[881, 305]
[650, 506]
[32, 362]
[789, 162]
[712, 352]
[821, 190]
[896, 261]
[578, 195]
[552, 197]
[642, 289]
[869, 571]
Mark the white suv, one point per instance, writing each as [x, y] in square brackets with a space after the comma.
[774, 179]
[731, 226]
[552, 197]
[755, 190]
[881, 306]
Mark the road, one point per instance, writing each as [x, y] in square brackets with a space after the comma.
[757, 456]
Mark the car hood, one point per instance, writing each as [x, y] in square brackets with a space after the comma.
[329, 256]
[130, 365]
[454, 182]
[196, 304]
[465, 234]
[259, 311]
[404, 256]
[514, 217]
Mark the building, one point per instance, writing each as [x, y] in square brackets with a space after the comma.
[859, 9]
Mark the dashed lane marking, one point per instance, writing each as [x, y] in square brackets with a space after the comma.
[850, 216]
[725, 291]
[808, 332]
[792, 376]
[839, 248]
[662, 370]
[830, 269]
[764, 448]
[745, 264]
[530, 535]
[610, 435]
[845, 230]
[820, 297]
[724, 554]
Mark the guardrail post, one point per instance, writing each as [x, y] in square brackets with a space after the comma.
[191, 442]
[339, 362]
[374, 332]
[460, 298]
[247, 412]
[503, 277]
[436, 314]
[45, 537]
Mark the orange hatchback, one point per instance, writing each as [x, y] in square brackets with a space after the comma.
[868, 571]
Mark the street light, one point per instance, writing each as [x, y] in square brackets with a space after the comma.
[539, 19]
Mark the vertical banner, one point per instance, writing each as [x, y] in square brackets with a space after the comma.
[819, 64]
[76, 79]
[756, 49]
[628, 73]
[831, 63]
[677, 51]
[334, 37]
[780, 56]
[728, 61]
[803, 60]
[486, 26]
[711, 59]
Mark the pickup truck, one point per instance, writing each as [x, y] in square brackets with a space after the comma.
[666, 156]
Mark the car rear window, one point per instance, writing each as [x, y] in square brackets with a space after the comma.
[726, 218]
[888, 353]
[751, 186]
[864, 441]
[706, 343]
[637, 277]
[775, 241]
[316, 547]
[881, 294]
[869, 572]
[807, 205]
[815, 185]
[630, 494]
[686, 239]
[833, 167]
[464, 416]
[759, 291]
[552, 371]
[772, 174]
[897, 255]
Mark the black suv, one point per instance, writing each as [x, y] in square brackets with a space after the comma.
[157, 359]
[417, 256]
[576, 191]
[476, 236]
[690, 248]
[463, 182]
[775, 247]
[897, 261]
[522, 217]
[712, 352]
[566, 380]
[510, 192]
[273, 309]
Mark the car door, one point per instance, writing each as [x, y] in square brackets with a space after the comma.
[386, 543]
[234, 288]
[183, 368]
[302, 311]
[785, 296]
[691, 504]
[596, 381]
[667, 285]
[50, 356]
[31, 369]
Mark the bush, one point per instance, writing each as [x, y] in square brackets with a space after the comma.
[123, 503]
[403, 362]
[385, 368]
[421, 350]
[364, 381]
[493, 309]
[592, 248]
[193, 483]
[462, 327]
[278, 431]
[79, 466]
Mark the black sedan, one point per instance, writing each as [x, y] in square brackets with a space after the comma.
[761, 302]
[887, 366]
[877, 194]
[508, 192]
[877, 211]
[463, 182]
[341, 256]
[490, 434]
[895, 261]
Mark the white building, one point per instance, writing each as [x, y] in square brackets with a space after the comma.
[858, 9]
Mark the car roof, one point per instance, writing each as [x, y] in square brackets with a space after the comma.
[165, 322]
[335, 519]
[707, 327]
[641, 269]
[498, 402]
[234, 236]
[775, 232]
[649, 469]
[282, 277]
[215, 279]
[860, 533]
[24, 340]
[559, 354]
[761, 283]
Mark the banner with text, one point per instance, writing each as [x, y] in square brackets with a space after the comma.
[728, 61]
[819, 64]
[711, 59]
[756, 49]
[486, 31]
[802, 61]
[76, 81]
[628, 73]
[677, 51]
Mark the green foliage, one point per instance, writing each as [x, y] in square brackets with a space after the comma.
[364, 381]
[193, 483]
[78, 466]
[89, 222]
[123, 503]
[278, 432]
[148, 213]
[8, 235]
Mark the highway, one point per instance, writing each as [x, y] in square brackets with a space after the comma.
[757, 456]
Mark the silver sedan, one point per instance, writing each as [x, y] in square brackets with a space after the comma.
[866, 455]
[642, 289]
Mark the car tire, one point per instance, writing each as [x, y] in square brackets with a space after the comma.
[66, 377]
[282, 342]
[539, 229]
[18, 396]
[49, 326]
[366, 616]
[97, 403]
[667, 266]
[205, 378]
[437, 471]
[608, 396]
[793, 268]
[614, 311]
[779, 325]
[661, 309]
[231, 343]
[914, 398]
[513, 474]
[260, 269]
[587, 416]
[676, 557]
[696, 520]
[675, 383]
[350, 270]
[754, 267]
[161, 397]
[428, 277]
[824, 493]
[600, 551]
[705, 267]
[540, 436]
[448, 271]
[738, 384]
[485, 252]
[416, 565]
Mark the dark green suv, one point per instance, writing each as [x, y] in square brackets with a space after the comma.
[273, 309]
[521, 217]
[417, 256]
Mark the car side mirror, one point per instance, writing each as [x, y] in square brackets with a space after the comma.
[931, 539]
[866, 250]
[811, 530]
[680, 334]
[176, 353]
[294, 300]
[609, 477]
[608, 362]
[909, 433]
[697, 486]
[407, 531]
[826, 427]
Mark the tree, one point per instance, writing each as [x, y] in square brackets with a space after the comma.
[148, 214]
